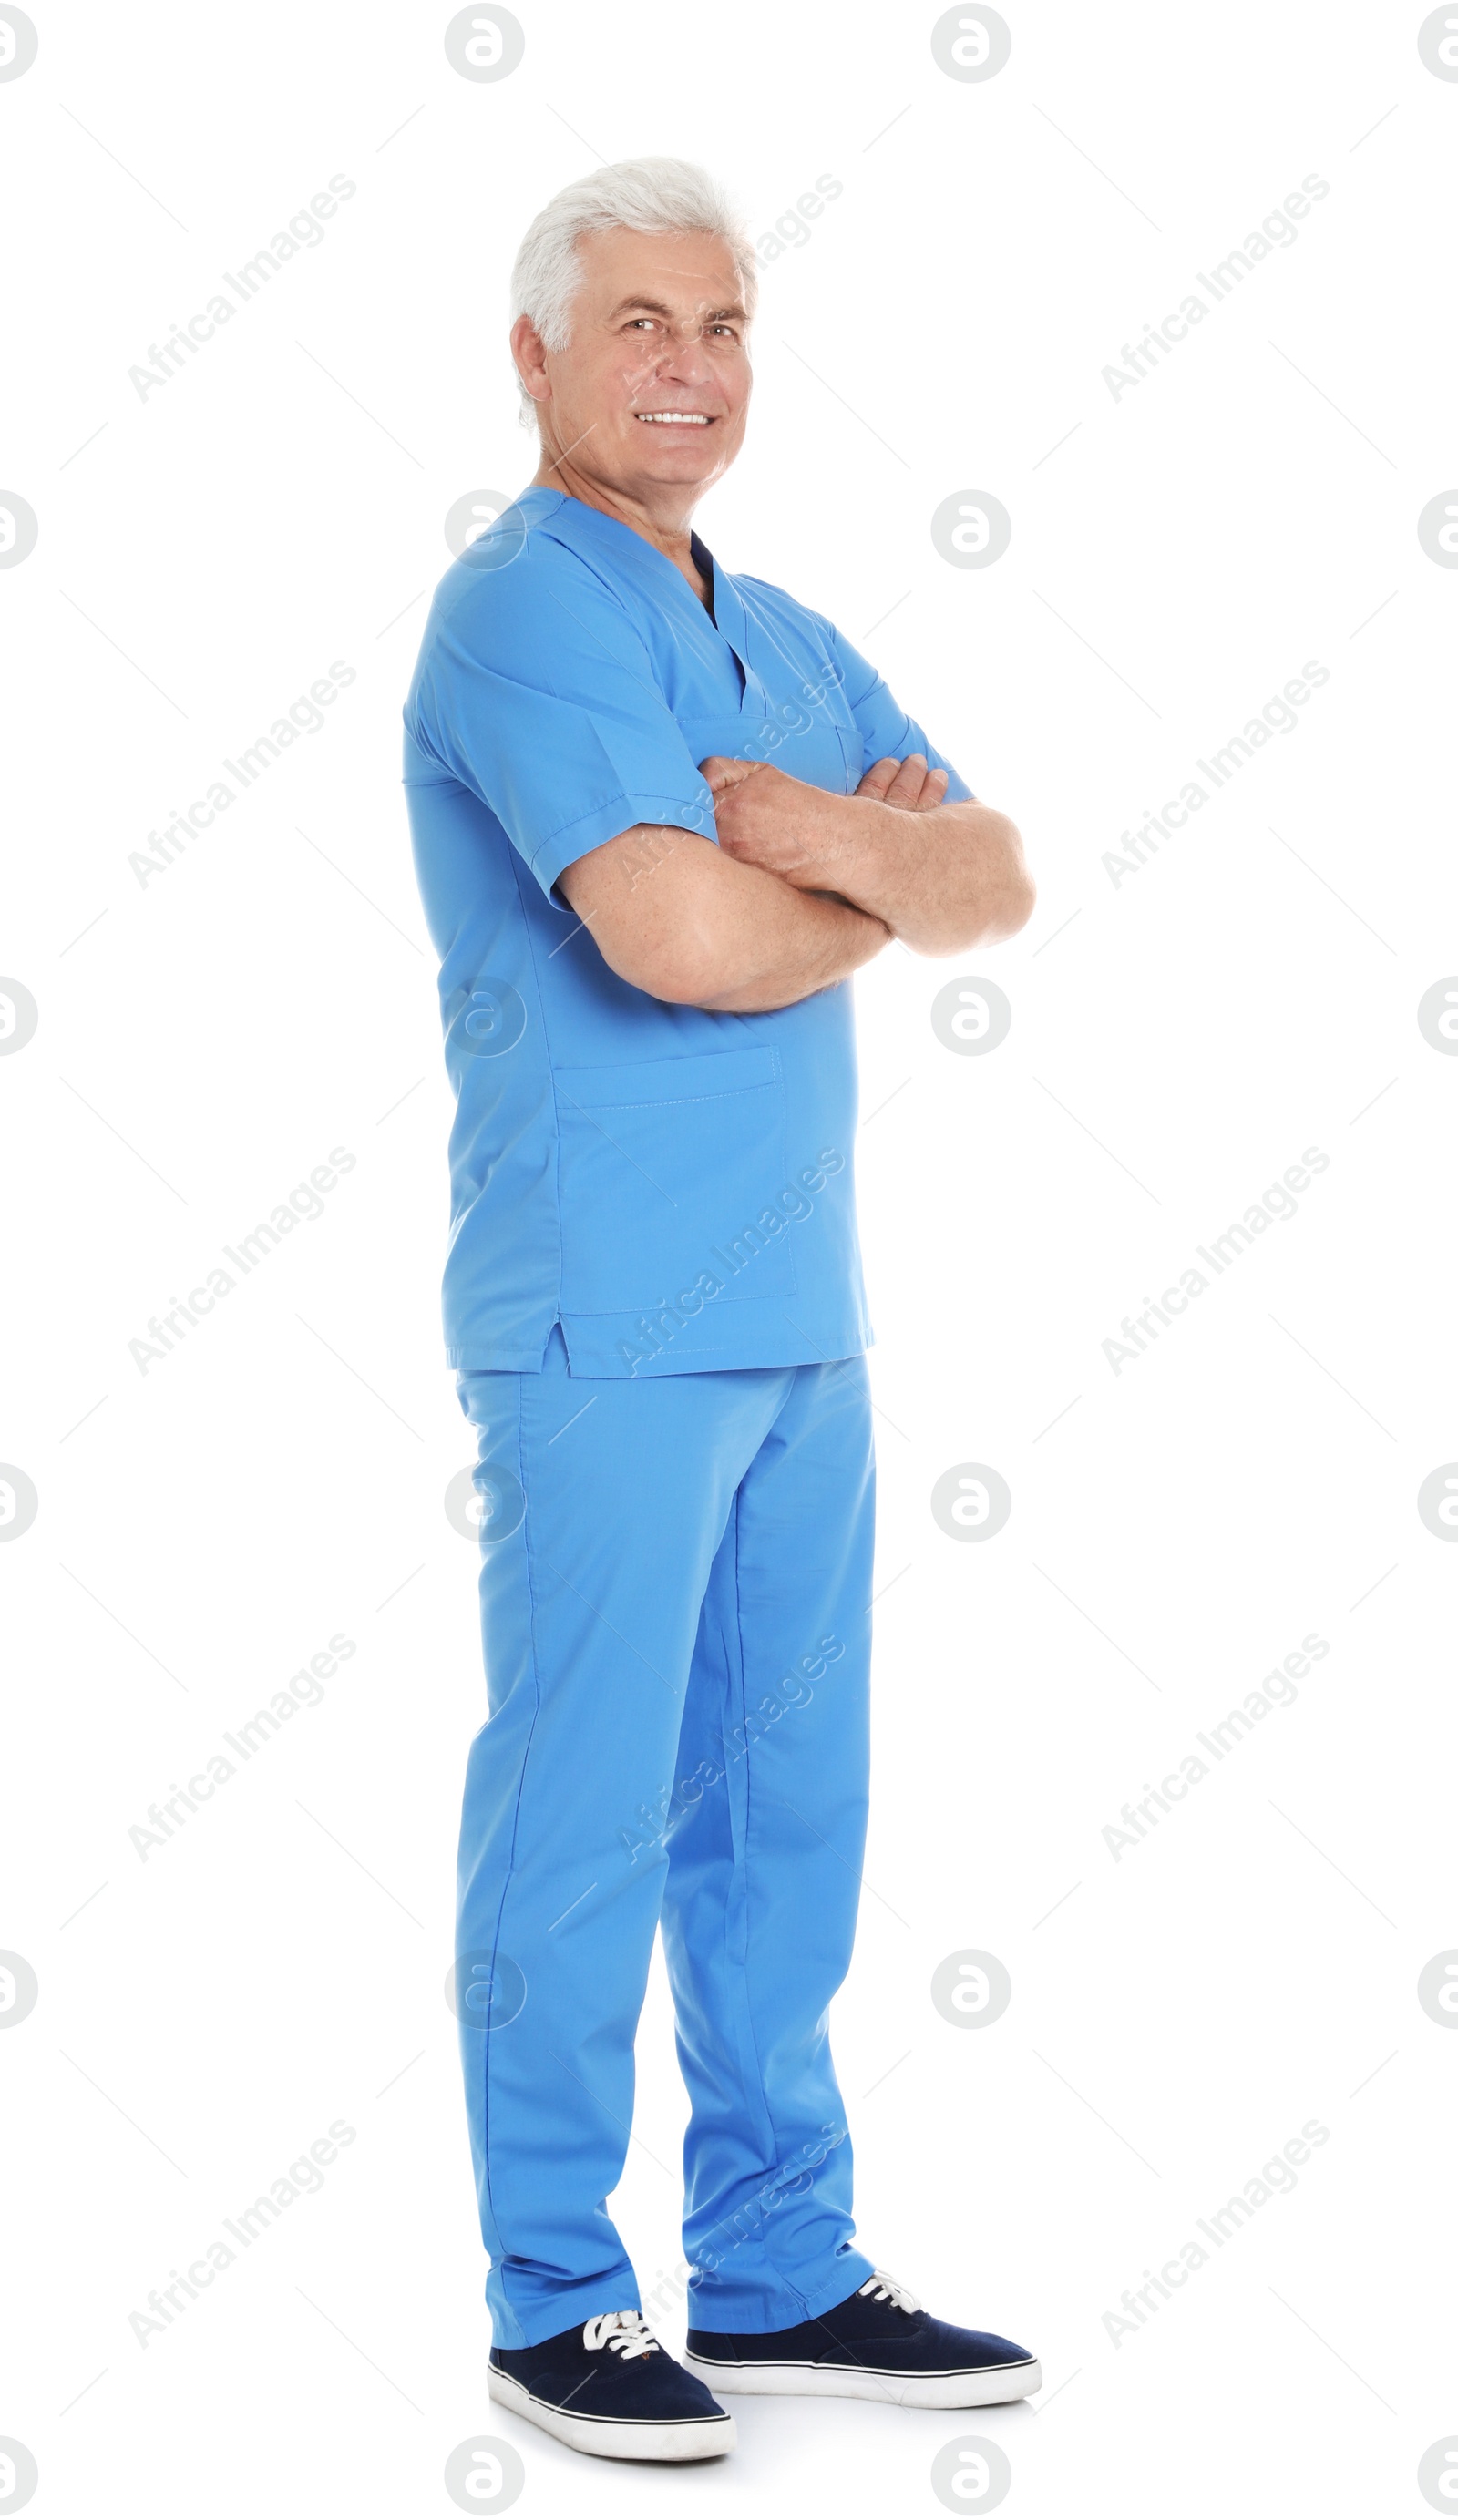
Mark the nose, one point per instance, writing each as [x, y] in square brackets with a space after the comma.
[684, 359]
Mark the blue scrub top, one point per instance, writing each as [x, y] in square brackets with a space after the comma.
[675, 1187]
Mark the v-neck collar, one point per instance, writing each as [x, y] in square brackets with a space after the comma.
[579, 520]
[728, 612]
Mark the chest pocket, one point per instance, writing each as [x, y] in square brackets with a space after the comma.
[808, 740]
[672, 1172]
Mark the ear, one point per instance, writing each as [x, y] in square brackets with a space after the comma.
[528, 351]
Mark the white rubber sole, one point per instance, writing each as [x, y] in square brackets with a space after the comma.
[603, 2437]
[996, 2386]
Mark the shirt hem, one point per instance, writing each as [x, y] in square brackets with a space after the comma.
[596, 1344]
[496, 1359]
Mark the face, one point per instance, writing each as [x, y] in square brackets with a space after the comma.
[649, 397]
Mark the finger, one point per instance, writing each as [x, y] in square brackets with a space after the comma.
[906, 787]
[879, 777]
[722, 773]
[933, 788]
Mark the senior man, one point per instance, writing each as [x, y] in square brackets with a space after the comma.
[661, 814]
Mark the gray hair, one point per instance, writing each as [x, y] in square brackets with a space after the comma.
[656, 196]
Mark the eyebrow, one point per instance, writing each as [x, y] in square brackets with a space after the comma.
[655, 306]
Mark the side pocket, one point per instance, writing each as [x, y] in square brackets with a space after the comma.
[666, 1164]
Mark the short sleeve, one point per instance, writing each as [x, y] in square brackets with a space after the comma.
[536, 689]
[886, 730]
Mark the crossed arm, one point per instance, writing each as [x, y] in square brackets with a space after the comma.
[803, 887]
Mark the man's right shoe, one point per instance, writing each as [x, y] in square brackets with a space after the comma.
[610, 2389]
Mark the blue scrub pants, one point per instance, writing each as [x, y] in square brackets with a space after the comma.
[676, 1590]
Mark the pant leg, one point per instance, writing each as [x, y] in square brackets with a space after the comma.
[764, 1856]
[606, 1500]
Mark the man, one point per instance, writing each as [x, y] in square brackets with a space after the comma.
[659, 815]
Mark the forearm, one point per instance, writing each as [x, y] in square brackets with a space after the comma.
[675, 915]
[941, 880]
[785, 945]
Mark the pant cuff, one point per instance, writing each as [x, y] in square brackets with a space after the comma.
[572, 2306]
[790, 2308]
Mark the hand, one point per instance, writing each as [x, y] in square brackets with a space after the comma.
[801, 834]
[908, 783]
[766, 819]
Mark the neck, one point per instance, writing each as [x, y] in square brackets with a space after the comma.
[663, 518]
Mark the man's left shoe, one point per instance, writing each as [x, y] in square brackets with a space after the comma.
[880, 2343]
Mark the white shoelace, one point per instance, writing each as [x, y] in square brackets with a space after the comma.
[622, 2331]
[885, 2288]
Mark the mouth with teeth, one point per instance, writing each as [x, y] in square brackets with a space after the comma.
[675, 418]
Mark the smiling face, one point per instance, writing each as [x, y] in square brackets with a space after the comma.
[647, 403]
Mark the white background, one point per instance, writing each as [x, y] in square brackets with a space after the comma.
[1178, 1039]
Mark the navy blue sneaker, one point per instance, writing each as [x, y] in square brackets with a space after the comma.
[609, 2388]
[880, 2343]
